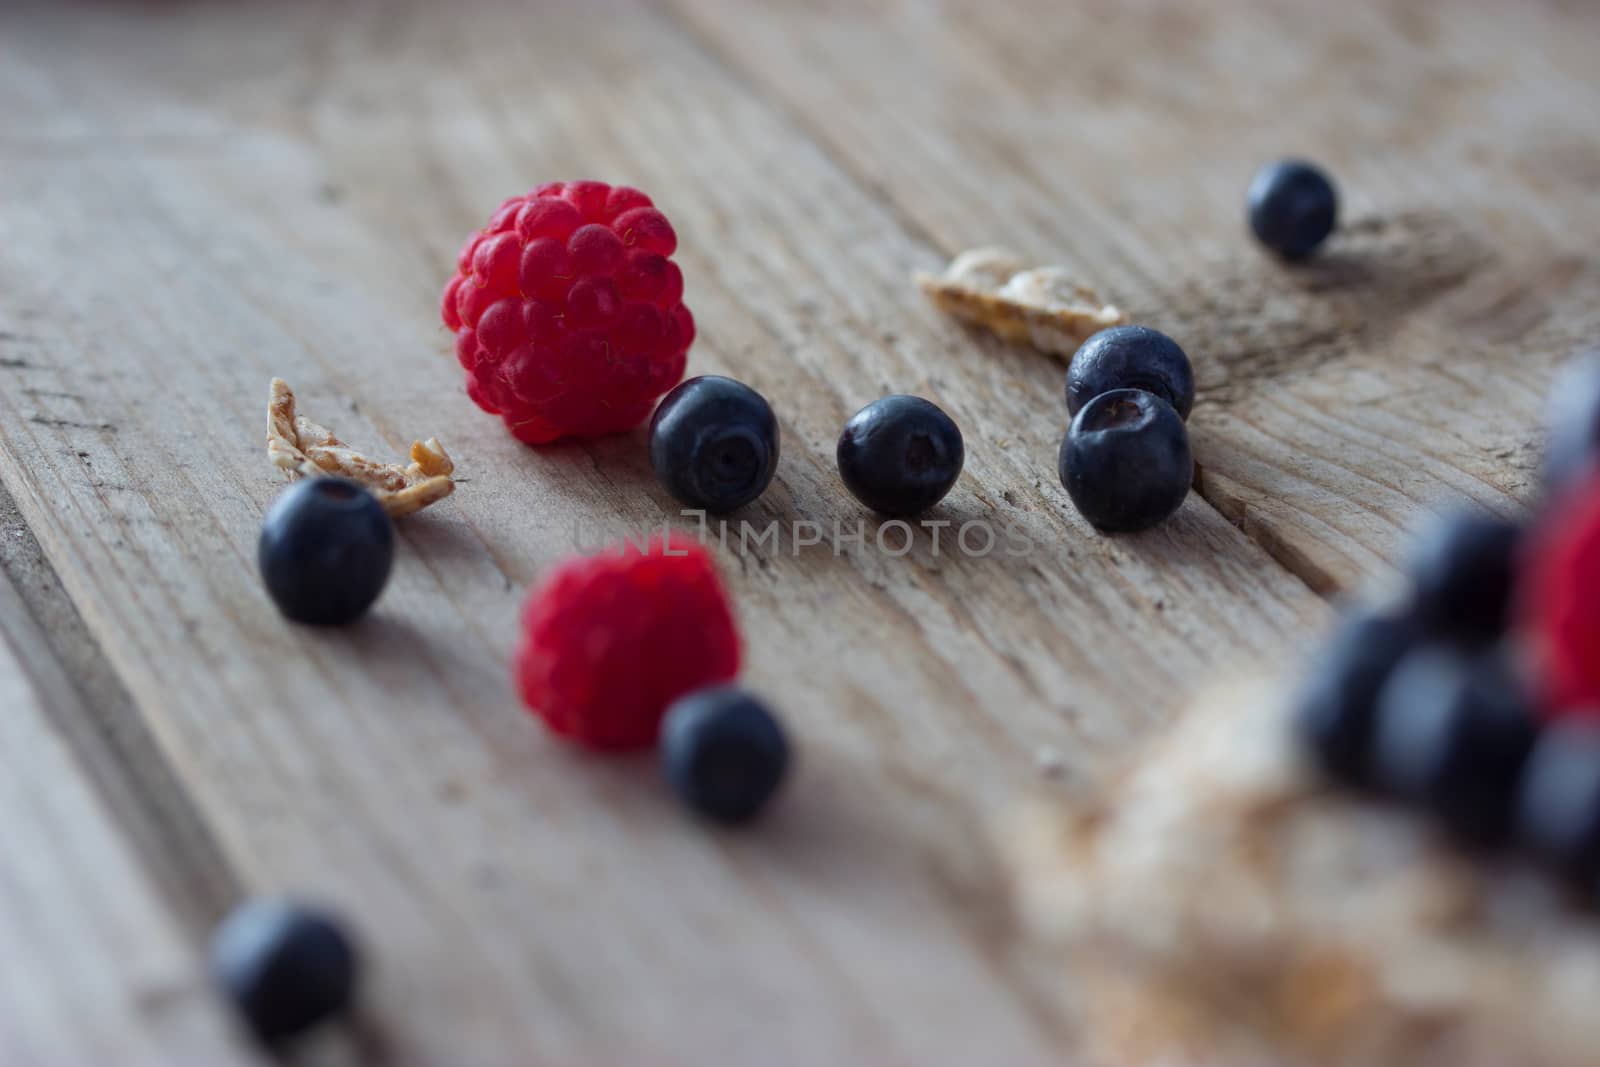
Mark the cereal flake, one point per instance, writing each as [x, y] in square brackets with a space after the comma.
[1041, 306]
[302, 448]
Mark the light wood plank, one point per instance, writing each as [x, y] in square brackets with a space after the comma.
[97, 968]
[1405, 369]
[215, 194]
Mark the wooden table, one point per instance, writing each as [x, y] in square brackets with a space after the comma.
[199, 196]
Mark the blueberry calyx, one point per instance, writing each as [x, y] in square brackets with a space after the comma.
[714, 443]
[900, 455]
[1125, 460]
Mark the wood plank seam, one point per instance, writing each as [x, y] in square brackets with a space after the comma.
[166, 832]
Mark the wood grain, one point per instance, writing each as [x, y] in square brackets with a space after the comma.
[203, 195]
[1404, 369]
[297, 218]
[98, 970]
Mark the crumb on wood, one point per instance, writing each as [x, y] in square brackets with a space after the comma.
[302, 448]
[1042, 306]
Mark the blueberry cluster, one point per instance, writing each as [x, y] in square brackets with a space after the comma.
[1424, 700]
[1125, 460]
[1436, 700]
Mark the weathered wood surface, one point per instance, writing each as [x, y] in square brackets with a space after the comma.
[200, 196]
[1404, 368]
[97, 967]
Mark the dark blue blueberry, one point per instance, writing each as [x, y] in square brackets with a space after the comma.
[714, 443]
[1573, 449]
[1462, 569]
[724, 753]
[325, 551]
[1131, 357]
[900, 455]
[1558, 815]
[1337, 704]
[1453, 734]
[1125, 460]
[1293, 207]
[286, 967]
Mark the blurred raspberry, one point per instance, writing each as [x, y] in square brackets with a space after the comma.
[568, 311]
[610, 641]
[1560, 602]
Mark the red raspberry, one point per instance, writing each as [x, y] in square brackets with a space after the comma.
[610, 641]
[1560, 602]
[568, 311]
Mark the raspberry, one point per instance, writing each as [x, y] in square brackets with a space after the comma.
[1560, 603]
[568, 311]
[610, 641]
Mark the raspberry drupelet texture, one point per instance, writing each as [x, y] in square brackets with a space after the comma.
[610, 641]
[1560, 603]
[568, 311]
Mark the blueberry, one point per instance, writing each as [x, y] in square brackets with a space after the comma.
[1131, 357]
[1558, 814]
[1293, 207]
[1125, 460]
[1453, 733]
[1337, 704]
[900, 455]
[1462, 569]
[1573, 449]
[714, 443]
[286, 967]
[724, 753]
[325, 551]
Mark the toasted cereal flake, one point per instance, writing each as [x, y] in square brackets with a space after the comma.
[302, 448]
[1042, 306]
